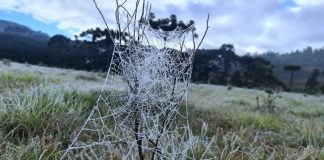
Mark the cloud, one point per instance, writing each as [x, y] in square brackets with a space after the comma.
[251, 25]
[309, 2]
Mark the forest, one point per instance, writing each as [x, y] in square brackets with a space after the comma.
[92, 49]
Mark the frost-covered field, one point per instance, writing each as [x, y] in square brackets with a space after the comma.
[42, 108]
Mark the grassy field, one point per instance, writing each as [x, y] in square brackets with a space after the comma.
[41, 108]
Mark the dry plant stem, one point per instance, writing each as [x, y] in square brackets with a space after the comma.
[141, 19]
[135, 20]
[138, 137]
[206, 30]
[104, 19]
[204, 36]
[118, 21]
[137, 129]
[152, 77]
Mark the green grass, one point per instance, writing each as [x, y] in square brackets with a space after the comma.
[294, 131]
[20, 80]
[45, 117]
[87, 77]
[39, 116]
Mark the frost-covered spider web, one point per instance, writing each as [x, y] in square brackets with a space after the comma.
[138, 113]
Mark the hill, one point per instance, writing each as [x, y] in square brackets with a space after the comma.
[22, 44]
[11, 28]
[308, 58]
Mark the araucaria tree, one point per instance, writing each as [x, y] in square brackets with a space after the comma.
[137, 112]
[292, 69]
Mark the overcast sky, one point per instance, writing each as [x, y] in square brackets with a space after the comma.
[251, 25]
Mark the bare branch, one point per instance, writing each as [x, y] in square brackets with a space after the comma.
[193, 39]
[137, 113]
[104, 19]
[206, 30]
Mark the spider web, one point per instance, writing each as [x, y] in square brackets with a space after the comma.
[139, 108]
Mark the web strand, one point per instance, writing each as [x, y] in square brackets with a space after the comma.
[138, 108]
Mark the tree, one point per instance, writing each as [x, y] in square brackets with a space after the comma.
[169, 24]
[227, 57]
[312, 84]
[322, 87]
[58, 48]
[214, 66]
[258, 72]
[236, 79]
[95, 34]
[222, 66]
[292, 69]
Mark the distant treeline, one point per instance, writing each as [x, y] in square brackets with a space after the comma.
[309, 60]
[215, 66]
[223, 66]
[92, 50]
[307, 57]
